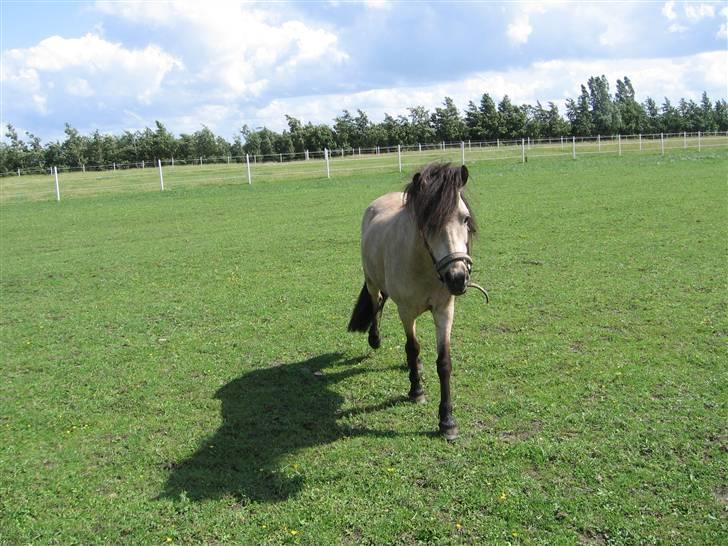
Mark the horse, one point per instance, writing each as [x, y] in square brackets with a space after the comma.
[415, 249]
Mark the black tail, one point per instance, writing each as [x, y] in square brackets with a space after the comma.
[363, 314]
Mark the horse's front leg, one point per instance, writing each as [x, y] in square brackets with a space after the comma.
[443, 321]
[412, 348]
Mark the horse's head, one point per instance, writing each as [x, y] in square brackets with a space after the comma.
[445, 221]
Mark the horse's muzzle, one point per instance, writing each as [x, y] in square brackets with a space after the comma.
[456, 279]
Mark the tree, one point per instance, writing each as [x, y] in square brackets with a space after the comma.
[362, 136]
[73, 147]
[163, 142]
[579, 116]
[512, 119]
[420, 128]
[708, 121]
[670, 118]
[474, 122]
[16, 151]
[447, 123]
[721, 115]
[605, 117]
[653, 123]
[489, 117]
[631, 114]
[344, 129]
[393, 129]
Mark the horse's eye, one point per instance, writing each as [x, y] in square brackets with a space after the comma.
[466, 220]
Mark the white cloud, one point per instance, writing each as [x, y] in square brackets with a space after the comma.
[692, 13]
[248, 48]
[82, 67]
[519, 30]
[697, 12]
[723, 30]
[668, 10]
[545, 81]
[378, 4]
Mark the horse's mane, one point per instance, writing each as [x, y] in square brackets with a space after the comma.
[432, 196]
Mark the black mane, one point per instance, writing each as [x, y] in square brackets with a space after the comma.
[432, 196]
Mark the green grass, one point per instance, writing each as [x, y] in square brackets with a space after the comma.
[160, 355]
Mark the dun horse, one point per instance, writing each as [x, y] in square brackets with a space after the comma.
[415, 248]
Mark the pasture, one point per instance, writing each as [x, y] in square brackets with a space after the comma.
[176, 370]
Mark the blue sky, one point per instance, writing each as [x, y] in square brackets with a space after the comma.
[116, 66]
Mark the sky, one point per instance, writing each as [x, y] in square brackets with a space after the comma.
[117, 66]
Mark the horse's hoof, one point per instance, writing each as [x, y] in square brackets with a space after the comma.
[375, 342]
[417, 398]
[450, 433]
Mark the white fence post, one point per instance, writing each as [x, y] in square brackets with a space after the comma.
[84, 168]
[247, 164]
[326, 156]
[562, 143]
[662, 144]
[399, 156]
[200, 162]
[462, 149]
[161, 175]
[523, 151]
[619, 143]
[573, 147]
[114, 165]
[685, 140]
[172, 161]
[497, 143]
[599, 143]
[18, 171]
[640, 142]
[698, 140]
[420, 145]
[58, 189]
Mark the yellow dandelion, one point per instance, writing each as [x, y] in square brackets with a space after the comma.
[169, 539]
[293, 532]
[502, 496]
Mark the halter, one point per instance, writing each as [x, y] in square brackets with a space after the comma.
[441, 265]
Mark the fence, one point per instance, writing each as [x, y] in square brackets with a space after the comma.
[166, 174]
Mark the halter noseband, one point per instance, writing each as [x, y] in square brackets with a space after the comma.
[441, 264]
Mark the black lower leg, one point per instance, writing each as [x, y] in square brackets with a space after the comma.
[375, 340]
[448, 426]
[412, 347]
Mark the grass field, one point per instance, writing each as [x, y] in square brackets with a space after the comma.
[175, 367]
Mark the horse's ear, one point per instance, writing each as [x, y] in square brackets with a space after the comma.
[464, 174]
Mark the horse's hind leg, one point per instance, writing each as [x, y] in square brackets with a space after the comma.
[412, 348]
[378, 302]
[378, 298]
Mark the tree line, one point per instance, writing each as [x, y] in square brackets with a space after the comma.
[594, 112]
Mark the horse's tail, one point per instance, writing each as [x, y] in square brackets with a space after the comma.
[363, 313]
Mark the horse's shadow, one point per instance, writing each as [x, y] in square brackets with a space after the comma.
[266, 415]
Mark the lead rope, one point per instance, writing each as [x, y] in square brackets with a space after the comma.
[478, 287]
